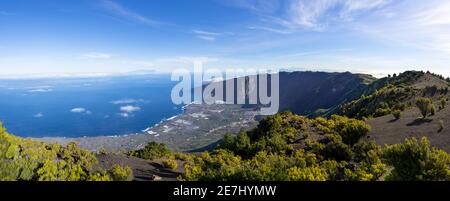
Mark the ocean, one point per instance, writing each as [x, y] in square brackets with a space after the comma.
[80, 107]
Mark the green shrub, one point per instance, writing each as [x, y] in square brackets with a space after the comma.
[102, 151]
[351, 130]
[424, 105]
[219, 165]
[397, 114]
[228, 142]
[99, 176]
[441, 125]
[443, 103]
[432, 110]
[382, 112]
[170, 163]
[305, 135]
[416, 160]
[152, 151]
[337, 151]
[401, 107]
[338, 154]
[25, 159]
[183, 156]
[307, 174]
[119, 173]
[29, 160]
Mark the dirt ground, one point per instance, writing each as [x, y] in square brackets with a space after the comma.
[386, 130]
[143, 170]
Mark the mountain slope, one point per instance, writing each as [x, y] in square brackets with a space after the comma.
[399, 93]
[288, 147]
[395, 93]
[305, 92]
[386, 130]
[357, 96]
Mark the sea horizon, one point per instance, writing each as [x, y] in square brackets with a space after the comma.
[86, 106]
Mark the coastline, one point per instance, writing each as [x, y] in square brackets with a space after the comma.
[196, 127]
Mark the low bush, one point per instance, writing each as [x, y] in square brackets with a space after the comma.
[170, 163]
[441, 125]
[397, 114]
[415, 160]
[119, 173]
[425, 106]
[152, 151]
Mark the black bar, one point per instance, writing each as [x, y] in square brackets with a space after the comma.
[284, 190]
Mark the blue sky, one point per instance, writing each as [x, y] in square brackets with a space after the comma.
[109, 36]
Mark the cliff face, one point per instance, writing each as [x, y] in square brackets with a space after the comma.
[306, 93]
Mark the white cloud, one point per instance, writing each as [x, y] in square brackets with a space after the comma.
[126, 111]
[126, 101]
[207, 38]
[418, 25]
[119, 10]
[39, 115]
[40, 90]
[80, 110]
[307, 14]
[125, 115]
[269, 29]
[362, 5]
[312, 15]
[129, 109]
[257, 6]
[318, 15]
[209, 35]
[97, 55]
[437, 13]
